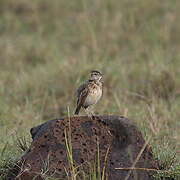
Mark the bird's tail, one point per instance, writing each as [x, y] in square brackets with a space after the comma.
[77, 110]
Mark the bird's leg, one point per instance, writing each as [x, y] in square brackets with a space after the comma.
[92, 114]
[89, 113]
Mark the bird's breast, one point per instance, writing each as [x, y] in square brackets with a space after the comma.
[94, 94]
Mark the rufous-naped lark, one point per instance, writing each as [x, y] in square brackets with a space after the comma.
[89, 93]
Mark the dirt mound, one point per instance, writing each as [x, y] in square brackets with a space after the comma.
[119, 143]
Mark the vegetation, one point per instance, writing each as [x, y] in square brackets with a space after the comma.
[48, 48]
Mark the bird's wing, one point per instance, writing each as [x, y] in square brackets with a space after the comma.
[82, 94]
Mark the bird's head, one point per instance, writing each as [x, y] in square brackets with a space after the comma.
[96, 75]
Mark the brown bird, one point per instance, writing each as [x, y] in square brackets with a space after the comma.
[89, 92]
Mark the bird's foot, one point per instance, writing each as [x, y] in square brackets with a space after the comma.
[90, 115]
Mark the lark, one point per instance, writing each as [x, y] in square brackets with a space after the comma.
[89, 93]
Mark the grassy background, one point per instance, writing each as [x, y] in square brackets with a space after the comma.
[48, 48]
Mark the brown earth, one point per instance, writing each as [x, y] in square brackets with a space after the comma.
[47, 155]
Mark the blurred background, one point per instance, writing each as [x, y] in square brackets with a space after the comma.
[48, 48]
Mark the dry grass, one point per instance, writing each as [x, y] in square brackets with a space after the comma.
[47, 49]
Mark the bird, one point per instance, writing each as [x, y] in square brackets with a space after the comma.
[89, 93]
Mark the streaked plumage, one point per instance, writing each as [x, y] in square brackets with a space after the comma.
[90, 92]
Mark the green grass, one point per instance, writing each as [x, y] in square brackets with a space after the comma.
[47, 49]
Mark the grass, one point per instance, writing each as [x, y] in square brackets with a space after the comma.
[48, 48]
